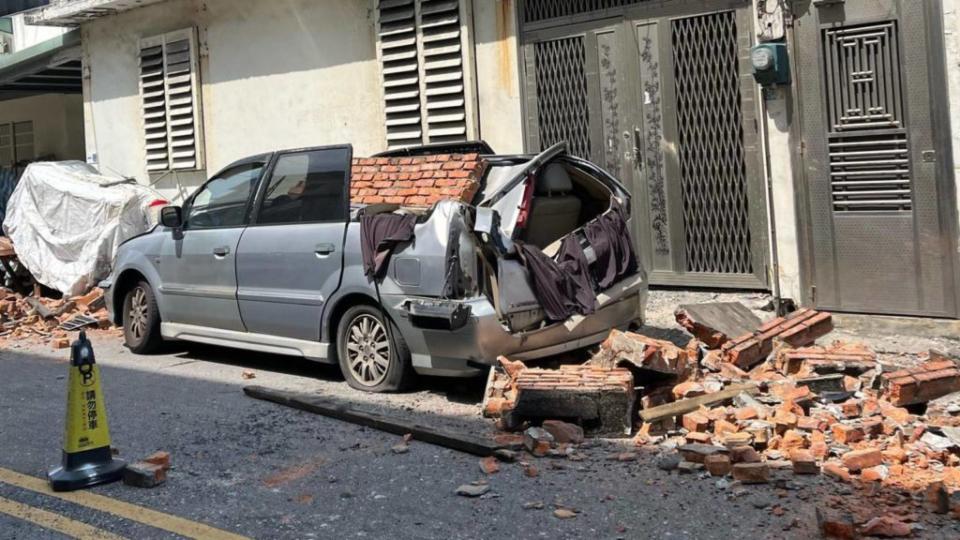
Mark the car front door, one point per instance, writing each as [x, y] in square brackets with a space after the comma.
[290, 258]
[197, 269]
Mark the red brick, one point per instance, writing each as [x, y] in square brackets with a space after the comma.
[744, 454]
[145, 475]
[751, 473]
[845, 434]
[696, 422]
[924, 383]
[804, 462]
[837, 471]
[159, 458]
[718, 464]
[857, 460]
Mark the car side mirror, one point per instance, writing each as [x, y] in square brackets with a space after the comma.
[171, 217]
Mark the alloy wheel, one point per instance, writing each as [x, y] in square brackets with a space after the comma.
[138, 313]
[368, 350]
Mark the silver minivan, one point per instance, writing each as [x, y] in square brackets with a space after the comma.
[244, 264]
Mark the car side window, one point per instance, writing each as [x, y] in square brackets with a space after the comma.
[307, 187]
[222, 202]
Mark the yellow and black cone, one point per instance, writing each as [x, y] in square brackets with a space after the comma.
[87, 459]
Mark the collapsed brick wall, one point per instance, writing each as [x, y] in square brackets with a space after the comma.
[418, 181]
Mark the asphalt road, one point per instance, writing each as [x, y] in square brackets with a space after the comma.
[265, 471]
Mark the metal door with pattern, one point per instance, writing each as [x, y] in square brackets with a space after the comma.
[661, 97]
[878, 240]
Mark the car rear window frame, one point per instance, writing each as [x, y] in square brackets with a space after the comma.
[260, 195]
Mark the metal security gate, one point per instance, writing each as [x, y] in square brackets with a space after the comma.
[659, 94]
[878, 223]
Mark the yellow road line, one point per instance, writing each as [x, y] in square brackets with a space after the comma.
[54, 522]
[140, 514]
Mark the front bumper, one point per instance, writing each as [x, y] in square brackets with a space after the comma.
[467, 350]
[107, 286]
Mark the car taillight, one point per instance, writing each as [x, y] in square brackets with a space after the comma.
[525, 204]
[153, 210]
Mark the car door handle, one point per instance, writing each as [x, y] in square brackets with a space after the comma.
[325, 249]
[222, 251]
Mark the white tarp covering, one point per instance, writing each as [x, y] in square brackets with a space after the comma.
[66, 222]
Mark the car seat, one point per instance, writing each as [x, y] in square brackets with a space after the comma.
[554, 210]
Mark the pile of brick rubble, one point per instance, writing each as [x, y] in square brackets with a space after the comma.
[740, 407]
[45, 320]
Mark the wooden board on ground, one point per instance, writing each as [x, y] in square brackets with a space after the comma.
[732, 319]
[462, 442]
[677, 408]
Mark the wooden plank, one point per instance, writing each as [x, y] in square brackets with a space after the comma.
[677, 408]
[730, 319]
[342, 411]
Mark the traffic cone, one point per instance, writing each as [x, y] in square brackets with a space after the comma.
[87, 458]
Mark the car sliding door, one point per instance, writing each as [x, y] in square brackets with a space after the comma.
[289, 260]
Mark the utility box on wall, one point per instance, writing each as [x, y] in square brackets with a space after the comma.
[771, 64]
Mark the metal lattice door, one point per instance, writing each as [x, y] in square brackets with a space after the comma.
[665, 104]
[713, 171]
[876, 239]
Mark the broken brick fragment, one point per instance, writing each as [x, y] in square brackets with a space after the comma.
[744, 454]
[857, 460]
[887, 527]
[160, 458]
[798, 329]
[929, 381]
[644, 356]
[751, 473]
[144, 475]
[718, 464]
[851, 359]
[489, 465]
[833, 524]
[803, 462]
[695, 422]
[835, 470]
[563, 432]
[846, 434]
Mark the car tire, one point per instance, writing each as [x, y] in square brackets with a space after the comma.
[373, 356]
[141, 319]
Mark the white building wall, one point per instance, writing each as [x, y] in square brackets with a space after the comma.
[274, 75]
[57, 127]
[498, 74]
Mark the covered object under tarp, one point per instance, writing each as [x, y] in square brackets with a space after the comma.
[66, 222]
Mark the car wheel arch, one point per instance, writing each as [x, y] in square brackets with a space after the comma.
[340, 307]
[126, 281]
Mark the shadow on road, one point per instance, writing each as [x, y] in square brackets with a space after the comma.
[464, 391]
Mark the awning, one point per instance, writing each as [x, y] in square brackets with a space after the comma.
[76, 12]
[49, 67]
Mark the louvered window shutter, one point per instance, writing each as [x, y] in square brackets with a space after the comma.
[169, 90]
[424, 59]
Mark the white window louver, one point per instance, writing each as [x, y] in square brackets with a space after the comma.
[424, 72]
[168, 90]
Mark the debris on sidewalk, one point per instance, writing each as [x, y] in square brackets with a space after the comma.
[475, 489]
[47, 320]
[144, 475]
[752, 408]
[600, 399]
[716, 323]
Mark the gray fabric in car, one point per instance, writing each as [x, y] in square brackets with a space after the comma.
[565, 285]
[610, 238]
[561, 285]
[379, 236]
